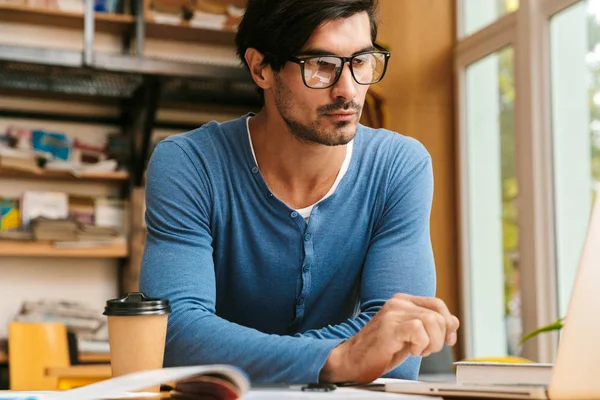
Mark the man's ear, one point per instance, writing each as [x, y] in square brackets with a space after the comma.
[262, 74]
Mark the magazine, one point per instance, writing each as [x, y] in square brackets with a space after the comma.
[210, 381]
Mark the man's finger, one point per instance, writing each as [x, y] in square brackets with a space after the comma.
[436, 330]
[435, 304]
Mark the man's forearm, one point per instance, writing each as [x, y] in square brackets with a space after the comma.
[198, 337]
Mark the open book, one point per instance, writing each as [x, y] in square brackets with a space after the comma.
[211, 381]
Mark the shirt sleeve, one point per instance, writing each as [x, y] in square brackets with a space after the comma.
[399, 259]
[178, 265]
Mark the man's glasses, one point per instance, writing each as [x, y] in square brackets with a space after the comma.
[322, 72]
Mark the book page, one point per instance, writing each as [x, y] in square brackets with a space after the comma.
[142, 380]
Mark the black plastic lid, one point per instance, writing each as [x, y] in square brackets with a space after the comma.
[136, 304]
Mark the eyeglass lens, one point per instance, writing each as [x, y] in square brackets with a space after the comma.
[320, 72]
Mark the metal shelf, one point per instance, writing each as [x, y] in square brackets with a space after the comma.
[44, 70]
[167, 68]
[69, 80]
[43, 56]
[210, 91]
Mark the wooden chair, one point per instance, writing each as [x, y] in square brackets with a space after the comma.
[38, 358]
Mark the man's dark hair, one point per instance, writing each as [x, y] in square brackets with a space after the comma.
[280, 28]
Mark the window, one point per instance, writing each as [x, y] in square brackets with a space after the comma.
[492, 200]
[528, 79]
[575, 81]
[478, 14]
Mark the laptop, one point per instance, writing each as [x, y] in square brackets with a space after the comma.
[576, 370]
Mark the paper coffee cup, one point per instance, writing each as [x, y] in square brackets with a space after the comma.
[137, 330]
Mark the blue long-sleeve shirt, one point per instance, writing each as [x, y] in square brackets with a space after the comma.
[250, 282]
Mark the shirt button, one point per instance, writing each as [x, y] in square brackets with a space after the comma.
[307, 237]
[255, 170]
[294, 214]
[301, 301]
[306, 268]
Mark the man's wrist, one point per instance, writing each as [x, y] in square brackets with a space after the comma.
[332, 371]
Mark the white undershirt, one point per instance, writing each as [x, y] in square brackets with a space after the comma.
[305, 212]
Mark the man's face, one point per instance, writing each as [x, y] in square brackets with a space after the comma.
[325, 116]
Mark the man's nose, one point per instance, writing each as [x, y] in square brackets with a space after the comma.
[345, 87]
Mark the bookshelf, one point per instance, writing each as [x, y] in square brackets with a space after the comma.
[114, 23]
[12, 248]
[118, 176]
[140, 86]
[105, 22]
[188, 33]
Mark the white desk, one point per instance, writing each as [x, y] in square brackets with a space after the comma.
[338, 394]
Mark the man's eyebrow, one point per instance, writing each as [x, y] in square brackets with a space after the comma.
[320, 52]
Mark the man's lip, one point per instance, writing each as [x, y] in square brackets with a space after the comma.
[341, 113]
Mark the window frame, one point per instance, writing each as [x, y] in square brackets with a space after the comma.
[527, 31]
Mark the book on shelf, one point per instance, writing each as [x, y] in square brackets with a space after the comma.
[45, 229]
[51, 205]
[81, 209]
[10, 216]
[68, 230]
[498, 373]
[197, 382]
[110, 212]
[57, 216]
[16, 235]
[86, 322]
[36, 151]
[89, 243]
[19, 160]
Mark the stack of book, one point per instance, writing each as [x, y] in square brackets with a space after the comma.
[63, 219]
[66, 232]
[502, 373]
[79, 318]
[19, 160]
[54, 229]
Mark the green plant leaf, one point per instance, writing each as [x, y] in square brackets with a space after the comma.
[556, 325]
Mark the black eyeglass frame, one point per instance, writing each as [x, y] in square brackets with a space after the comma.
[379, 50]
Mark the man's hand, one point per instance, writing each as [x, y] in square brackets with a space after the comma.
[406, 325]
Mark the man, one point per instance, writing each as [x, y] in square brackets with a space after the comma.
[294, 243]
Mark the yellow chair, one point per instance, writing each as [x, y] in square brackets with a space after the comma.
[38, 359]
[79, 375]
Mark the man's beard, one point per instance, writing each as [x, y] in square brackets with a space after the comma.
[315, 132]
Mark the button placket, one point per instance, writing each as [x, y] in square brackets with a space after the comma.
[305, 277]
